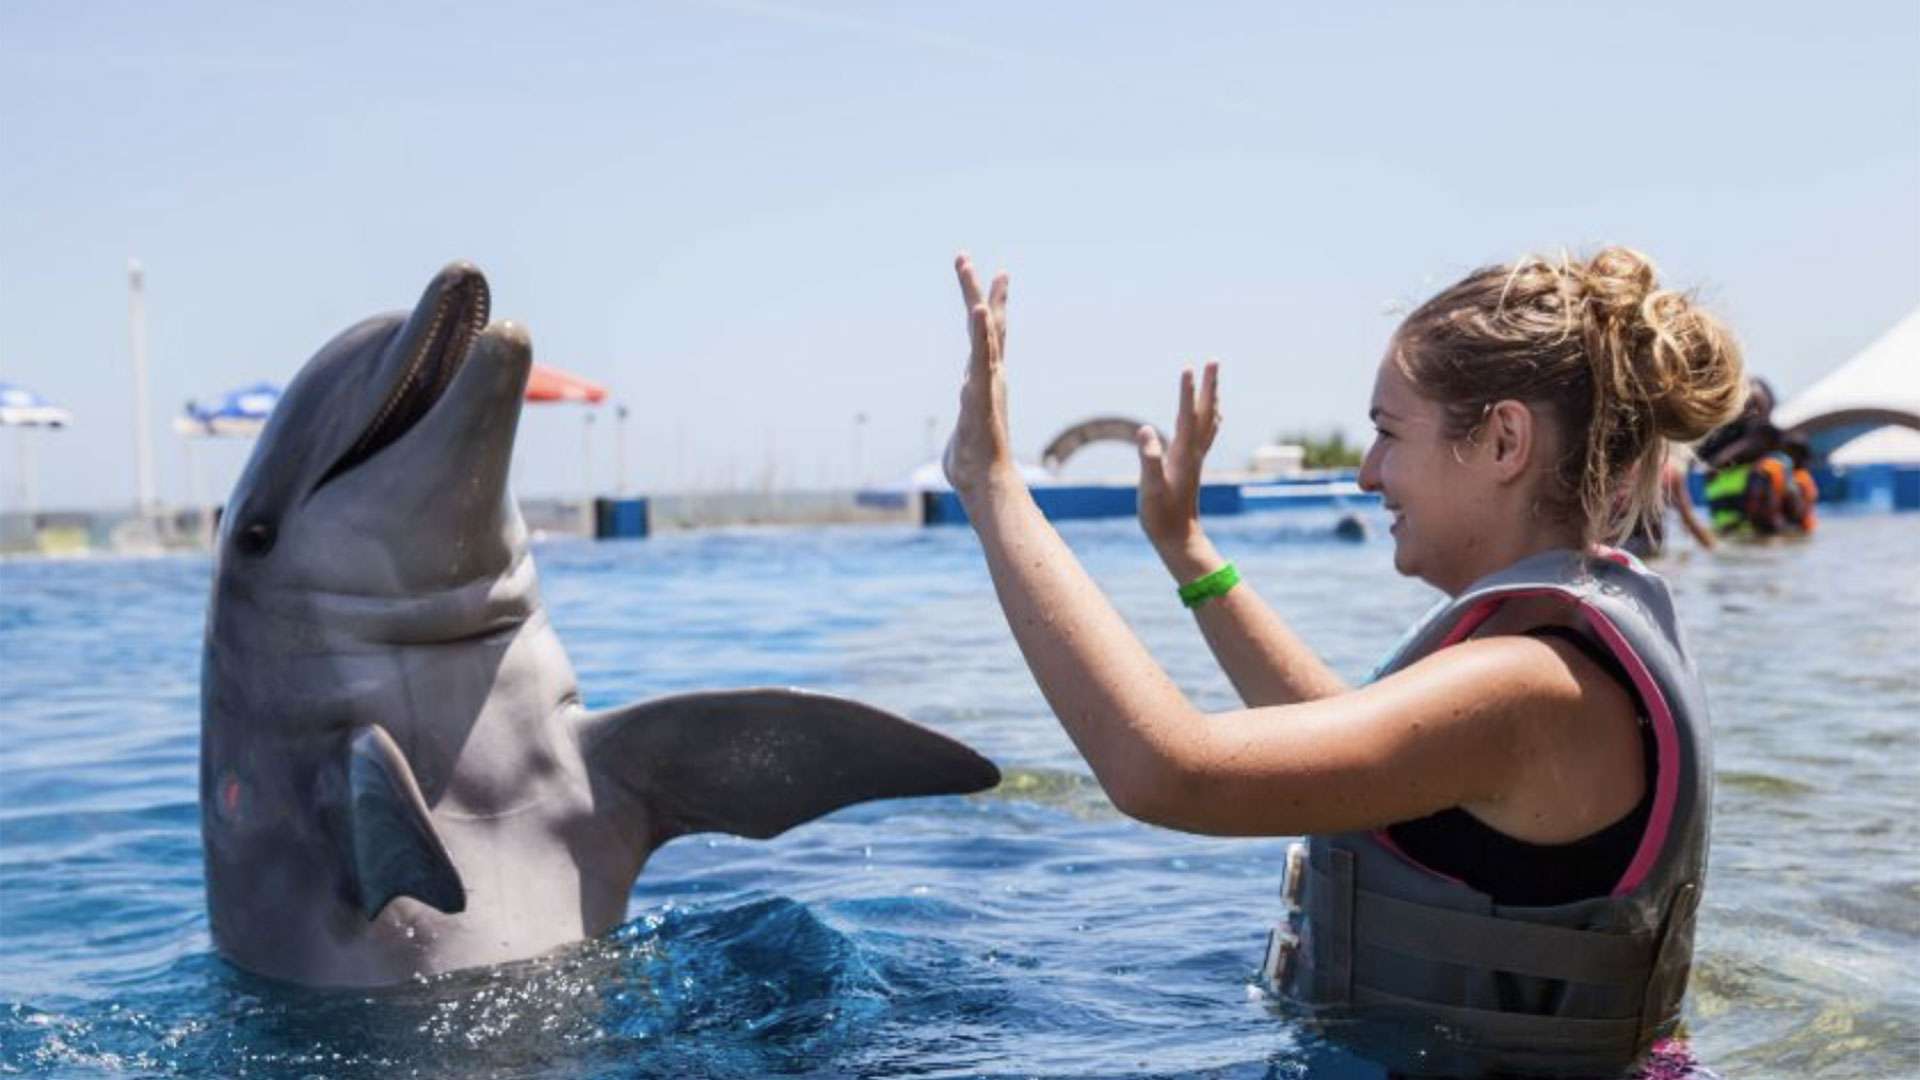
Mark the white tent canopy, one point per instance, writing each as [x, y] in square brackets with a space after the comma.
[1877, 386]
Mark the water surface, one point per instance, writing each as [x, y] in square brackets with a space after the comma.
[1027, 932]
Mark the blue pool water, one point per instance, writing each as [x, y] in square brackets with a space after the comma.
[1026, 932]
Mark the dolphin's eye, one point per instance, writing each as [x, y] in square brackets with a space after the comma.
[255, 539]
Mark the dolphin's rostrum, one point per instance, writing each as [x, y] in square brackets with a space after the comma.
[397, 775]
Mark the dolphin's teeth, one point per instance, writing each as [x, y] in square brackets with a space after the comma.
[417, 389]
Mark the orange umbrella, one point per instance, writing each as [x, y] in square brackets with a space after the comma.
[552, 384]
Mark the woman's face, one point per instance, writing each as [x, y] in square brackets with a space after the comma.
[1427, 482]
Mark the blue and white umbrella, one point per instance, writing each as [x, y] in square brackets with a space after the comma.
[239, 412]
[21, 407]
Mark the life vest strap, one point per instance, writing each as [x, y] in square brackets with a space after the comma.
[1329, 893]
[1522, 948]
[1540, 1034]
[1470, 940]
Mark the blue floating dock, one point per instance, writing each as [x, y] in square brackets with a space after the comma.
[1895, 487]
[1341, 490]
[1074, 502]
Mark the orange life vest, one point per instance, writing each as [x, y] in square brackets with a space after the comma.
[1794, 494]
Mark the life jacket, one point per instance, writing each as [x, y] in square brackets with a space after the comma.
[1727, 498]
[1794, 492]
[1780, 497]
[1767, 495]
[1809, 494]
[1376, 946]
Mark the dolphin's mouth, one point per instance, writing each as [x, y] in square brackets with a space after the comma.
[436, 341]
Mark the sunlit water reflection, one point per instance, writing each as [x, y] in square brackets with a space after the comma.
[1030, 931]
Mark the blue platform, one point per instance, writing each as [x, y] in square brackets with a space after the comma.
[1881, 487]
[1070, 502]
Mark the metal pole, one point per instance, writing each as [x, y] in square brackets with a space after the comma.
[620, 450]
[29, 494]
[586, 456]
[203, 510]
[586, 472]
[143, 452]
[859, 449]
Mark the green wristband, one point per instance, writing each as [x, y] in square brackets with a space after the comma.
[1207, 586]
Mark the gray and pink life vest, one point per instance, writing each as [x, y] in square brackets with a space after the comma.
[1427, 975]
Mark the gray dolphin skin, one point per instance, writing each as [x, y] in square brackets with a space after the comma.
[397, 777]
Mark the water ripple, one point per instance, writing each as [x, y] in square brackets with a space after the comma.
[1030, 931]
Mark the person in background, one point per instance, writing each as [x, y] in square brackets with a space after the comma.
[1768, 495]
[1745, 437]
[1802, 492]
[1743, 501]
[1507, 823]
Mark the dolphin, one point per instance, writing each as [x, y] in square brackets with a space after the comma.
[397, 775]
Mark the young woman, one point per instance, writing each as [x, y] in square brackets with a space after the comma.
[1506, 824]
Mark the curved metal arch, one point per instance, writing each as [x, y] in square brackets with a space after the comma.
[1828, 432]
[1098, 429]
[1851, 418]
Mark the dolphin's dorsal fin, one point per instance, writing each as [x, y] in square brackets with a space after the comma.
[758, 762]
[390, 837]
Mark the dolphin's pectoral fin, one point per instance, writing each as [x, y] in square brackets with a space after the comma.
[758, 762]
[390, 837]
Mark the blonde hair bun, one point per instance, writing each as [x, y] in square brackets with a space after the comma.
[1655, 349]
[1623, 365]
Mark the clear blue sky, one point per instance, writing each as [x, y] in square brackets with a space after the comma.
[739, 214]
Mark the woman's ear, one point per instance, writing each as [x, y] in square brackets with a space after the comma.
[1511, 437]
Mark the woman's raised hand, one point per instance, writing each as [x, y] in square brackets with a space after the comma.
[1170, 475]
[980, 449]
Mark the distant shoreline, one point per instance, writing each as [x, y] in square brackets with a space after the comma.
[176, 529]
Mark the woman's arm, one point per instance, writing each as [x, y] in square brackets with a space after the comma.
[1447, 731]
[1267, 662]
[1506, 727]
[1440, 734]
[1118, 705]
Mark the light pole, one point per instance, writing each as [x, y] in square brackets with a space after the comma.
[586, 455]
[620, 450]
[859, 451]
[29, 493]
[586, 472]
[137, 328]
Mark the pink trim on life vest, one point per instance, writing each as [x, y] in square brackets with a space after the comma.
[1666, 743]
[1470, 622]
[1615, 555]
